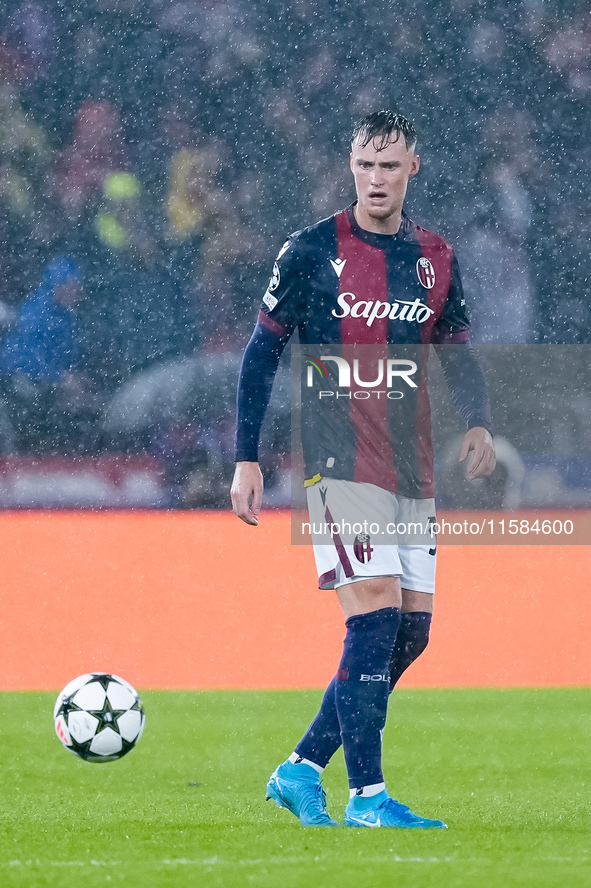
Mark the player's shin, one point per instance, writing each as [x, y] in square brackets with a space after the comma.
[323, 737]
[411, 641]
[361, 692]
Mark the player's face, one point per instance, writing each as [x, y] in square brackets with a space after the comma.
[381, 180]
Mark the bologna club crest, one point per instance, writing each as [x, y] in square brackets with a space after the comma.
[426, 273]
[361, 547]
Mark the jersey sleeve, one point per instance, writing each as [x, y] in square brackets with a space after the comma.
[282, 303]
[257, 372]
[452, 325]
[467, 384]
[278, 317]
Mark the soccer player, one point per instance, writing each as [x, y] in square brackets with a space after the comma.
[367, 276]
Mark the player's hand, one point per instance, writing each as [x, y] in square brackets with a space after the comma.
[479, 442]
[247, 491]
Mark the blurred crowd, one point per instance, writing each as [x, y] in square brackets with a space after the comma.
[154, 154]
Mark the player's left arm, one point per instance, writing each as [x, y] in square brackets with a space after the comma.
[465, 379]
[468, 389]
[479, 441]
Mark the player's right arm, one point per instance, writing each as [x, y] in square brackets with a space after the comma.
[247, 491]
[257, 372]
[276, 322]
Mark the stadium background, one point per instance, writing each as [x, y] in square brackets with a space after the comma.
[166, 148]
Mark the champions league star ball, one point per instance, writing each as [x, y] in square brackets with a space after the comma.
[99, 717]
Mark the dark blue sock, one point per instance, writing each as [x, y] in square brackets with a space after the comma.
[361, 692]
[411, 641]
[323, 737]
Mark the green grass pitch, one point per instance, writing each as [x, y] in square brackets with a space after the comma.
[509, 770]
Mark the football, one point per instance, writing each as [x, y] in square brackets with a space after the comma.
[99, 717]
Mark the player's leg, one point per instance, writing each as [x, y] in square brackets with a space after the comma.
[417, 587]
[362, 701]
[295, 784]
[372, 611]
[365, 575]
[419, 560]
[413, 634]
[323, 737]
[411, 641]
[353, 710]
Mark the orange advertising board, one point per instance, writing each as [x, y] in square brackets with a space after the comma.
[200, 600]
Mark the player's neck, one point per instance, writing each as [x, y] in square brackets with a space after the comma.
[389, 225]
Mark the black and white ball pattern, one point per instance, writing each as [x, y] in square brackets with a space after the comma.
[99, 717]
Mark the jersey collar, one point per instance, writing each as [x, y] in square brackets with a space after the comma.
[373, 238]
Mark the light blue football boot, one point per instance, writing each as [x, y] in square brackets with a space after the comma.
[297, 787]
[381, 810]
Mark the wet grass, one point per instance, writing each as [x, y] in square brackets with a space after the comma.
[508, 770]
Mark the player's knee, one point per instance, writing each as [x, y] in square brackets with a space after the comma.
[383, 591]
[370, 595]
[421, 602]
[411, 641]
